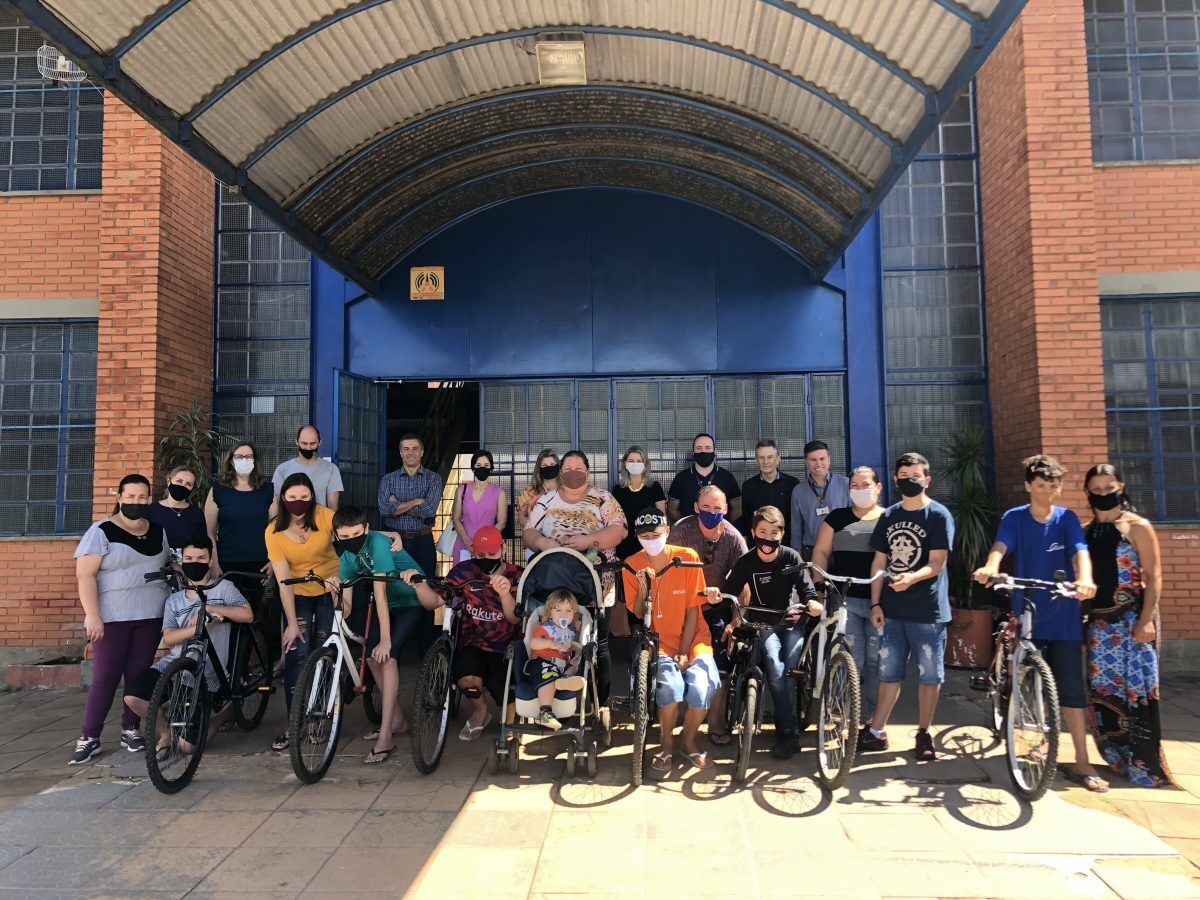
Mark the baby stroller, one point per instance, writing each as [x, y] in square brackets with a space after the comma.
[583, 721]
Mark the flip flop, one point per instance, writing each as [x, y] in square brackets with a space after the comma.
[699, 760]
[1093, 783]
[471, 732]
[381, 754]
[661, 764]
[374, 735]
[281, 743]
[720, 740]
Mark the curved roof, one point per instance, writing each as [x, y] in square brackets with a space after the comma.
[365, 126]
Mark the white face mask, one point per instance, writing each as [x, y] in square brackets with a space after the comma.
[862, 497]
[635, 468]
[243, 466]
[653, 546]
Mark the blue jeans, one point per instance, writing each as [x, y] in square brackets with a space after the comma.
[781, 648]
[312, 614]
[862, 640]
[696, 685]
[903, 639]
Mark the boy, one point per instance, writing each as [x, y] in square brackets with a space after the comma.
[686, 670]
[225, 604]
[1046, 538]
[759, 575]
[553, 648]
[912, 540]
[397, 615]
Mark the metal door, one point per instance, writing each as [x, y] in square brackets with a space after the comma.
[360, 411]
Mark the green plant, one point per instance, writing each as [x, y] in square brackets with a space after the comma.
[973, 505]
[191, 441]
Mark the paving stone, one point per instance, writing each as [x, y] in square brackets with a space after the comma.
[1149, 878]
[478, 872]
[9, 854]
[320, 829]
[406, 830]
[41, 740]
[101, 868]
[429, 794]
[924, 874]
[1039, 875]
[284, 869]
[1171, 819]
[330, 794]
[354, 869]
[208, 828]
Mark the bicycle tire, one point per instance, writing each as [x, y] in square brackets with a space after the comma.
[641, 715]
[804, 688]
[748, 724]
[253, 673]
[181, 698]
[431, 707]
[1034, 711]
[314, 732]
[997, 682]
[372, 699]
[838, 714]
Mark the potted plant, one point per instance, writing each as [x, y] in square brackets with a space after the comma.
[191, 441]
[973, 504]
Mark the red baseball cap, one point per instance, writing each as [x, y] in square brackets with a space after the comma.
[487, 540]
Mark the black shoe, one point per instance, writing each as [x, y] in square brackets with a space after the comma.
[786, 746]
[85, 749]
[868, 743]
[133, 741]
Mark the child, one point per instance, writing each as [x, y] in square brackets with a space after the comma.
[1046, 538]
[225, 604]
[397, 614]
[552, 648]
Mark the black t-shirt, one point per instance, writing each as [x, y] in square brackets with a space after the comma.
[907, 537]
[852, 553]
[686, 485]
[148, 544]
[757, 493]
[768, 587]
[632, 503]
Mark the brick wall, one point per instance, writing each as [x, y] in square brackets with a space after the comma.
[1151, 217]
[49, 247]
[38, 601]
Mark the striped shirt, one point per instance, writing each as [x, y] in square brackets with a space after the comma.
[399, 484]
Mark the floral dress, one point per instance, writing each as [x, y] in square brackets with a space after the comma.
[1122, 672]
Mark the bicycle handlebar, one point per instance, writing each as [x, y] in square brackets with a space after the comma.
[881, 575]
[313, 578]
[169, 574]
[1059, 585]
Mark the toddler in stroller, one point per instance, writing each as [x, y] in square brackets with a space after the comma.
[554, 653]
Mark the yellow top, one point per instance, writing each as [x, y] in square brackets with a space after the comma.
[315, 555]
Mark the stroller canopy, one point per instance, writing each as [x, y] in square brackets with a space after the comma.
[561, 567]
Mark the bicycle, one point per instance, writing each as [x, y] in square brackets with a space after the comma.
[1022, 691]
[747, 679]
[181, 699]
[437, 695]
[316, 715]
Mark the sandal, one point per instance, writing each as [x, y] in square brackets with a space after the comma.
[720, 740]
[471, 732]
[281, 743]
[699, 760]
[375, 757]
[1093, 783]
[661, 764]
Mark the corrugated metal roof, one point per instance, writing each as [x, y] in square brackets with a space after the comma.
[793, 116]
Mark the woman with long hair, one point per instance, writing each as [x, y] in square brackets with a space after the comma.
[179, 517]
[543, 480]
[477, 503]
[636, 490]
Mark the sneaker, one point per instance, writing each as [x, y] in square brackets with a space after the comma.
[869, 743]
[923, 750]
[547, 720]
[786, 746]
[85, 749]
[133, 741]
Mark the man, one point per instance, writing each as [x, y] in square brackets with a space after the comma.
[769, 487]
[685, 487]
[710, 533]
[324, 475]
[408, 501]
[912, 540]
[815, 496]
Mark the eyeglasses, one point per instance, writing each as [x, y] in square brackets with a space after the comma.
[245, 458]
[710, 552]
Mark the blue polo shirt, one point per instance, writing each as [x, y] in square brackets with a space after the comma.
[1041, 549]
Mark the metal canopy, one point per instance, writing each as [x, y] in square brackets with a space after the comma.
[366, 127]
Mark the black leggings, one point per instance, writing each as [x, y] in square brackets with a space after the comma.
[259, 595]
[603, 657]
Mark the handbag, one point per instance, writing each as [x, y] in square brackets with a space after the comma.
[445, 541]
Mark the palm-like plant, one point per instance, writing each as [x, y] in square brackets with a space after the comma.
[973, 505]
[191, 441]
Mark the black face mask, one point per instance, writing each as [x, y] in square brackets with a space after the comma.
[195, 571]
[481, 473]
[548, 473]
[135, 511]
[1104, 502]
[910, 487]
[307, 453]
[705, 459]
[179, 491]
[766, 546]
[349, 545]
[489, 566]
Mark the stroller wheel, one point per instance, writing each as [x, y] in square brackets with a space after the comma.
[591, 761]
[514, 757]
[604, 719]
[494, 759]
[571, 763]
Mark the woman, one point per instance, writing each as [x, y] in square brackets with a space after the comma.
[588, 520]
[122, 613]
[1122, 632]
[544, 480]
[478, 503]
[636, 489]
[175, 513]
[843, 547]
[299, 541]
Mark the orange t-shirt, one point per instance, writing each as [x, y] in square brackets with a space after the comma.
[674, 593]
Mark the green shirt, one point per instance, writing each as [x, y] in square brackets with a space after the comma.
[378, 558]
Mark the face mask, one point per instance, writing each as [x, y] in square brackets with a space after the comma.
[653, 546]
[563, 621]
[767, 546]
[548, 473]
[135, 511]
[481, 473]
[1104, 502]
[349, 545]
[308, 453]
[705, 459]
[195, 571]
[635, 468]
[862, 496]
[910, 487]
[243, 466]
[489, 566]
[574, 478]
[710, 519]
[179, 491]
[297, 507]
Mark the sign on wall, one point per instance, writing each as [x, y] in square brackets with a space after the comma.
[427, 283]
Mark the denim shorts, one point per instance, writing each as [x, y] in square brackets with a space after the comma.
[902, 639]
[1065, 659]
[696, 685]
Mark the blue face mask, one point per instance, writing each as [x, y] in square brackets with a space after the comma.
[711, 519]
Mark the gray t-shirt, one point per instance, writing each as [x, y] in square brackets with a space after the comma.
[125, 559]
[178, 614]
[324, 475]
[725, 551]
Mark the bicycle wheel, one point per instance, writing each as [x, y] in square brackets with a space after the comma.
[372, 699]
[640, 706]
[316, 719]
[177, 726]
[1032, 728]
[804, 687]
[252, 680]
[998, 689]
[431, 707]
[748, 722]
[837, 720]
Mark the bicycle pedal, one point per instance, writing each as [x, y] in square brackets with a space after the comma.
[980, 683]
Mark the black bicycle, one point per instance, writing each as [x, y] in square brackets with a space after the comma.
[437, 695]
[747, 679]
[176, 727]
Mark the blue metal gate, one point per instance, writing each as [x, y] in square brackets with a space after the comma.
[359, 426]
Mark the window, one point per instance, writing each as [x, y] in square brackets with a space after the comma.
[50, 137]
[1152, 401]
[47, 426]
[1144, 78]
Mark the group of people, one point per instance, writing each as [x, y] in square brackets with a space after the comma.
[748, 540]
